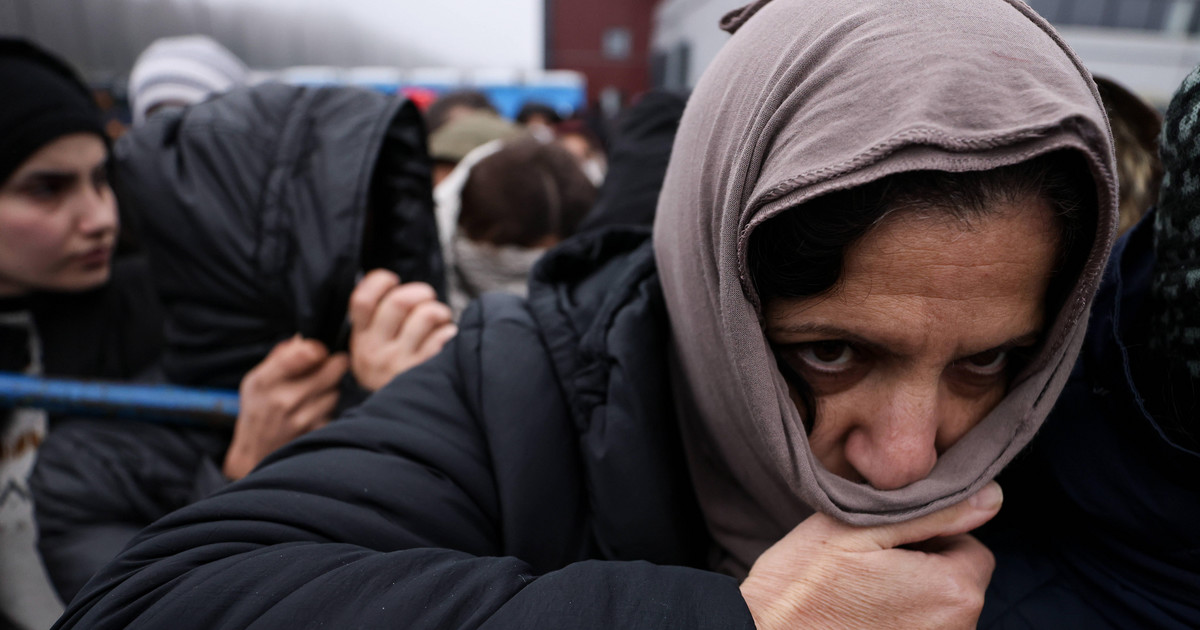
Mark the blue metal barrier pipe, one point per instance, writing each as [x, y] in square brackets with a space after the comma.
[162, 404]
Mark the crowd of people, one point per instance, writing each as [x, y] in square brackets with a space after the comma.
[761, 358]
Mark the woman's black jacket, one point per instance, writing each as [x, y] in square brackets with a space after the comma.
[529, 476]
[257, 210]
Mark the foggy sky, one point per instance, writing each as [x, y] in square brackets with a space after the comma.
[103, 37]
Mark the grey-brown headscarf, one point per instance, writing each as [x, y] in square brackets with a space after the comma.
[811, 96]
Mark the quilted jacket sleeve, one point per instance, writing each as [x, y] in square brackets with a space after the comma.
[389, 518]
[97, 483]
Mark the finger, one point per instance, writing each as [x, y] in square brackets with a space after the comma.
[437, 340]
[395, 307]
[329, 375]
[302, 390]
[970, 555]
[957, 519]
[289, 359]
[315, 413]
[424, 319]
[367, 294]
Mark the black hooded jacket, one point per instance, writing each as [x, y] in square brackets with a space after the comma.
[259, 208]
[637, 162]
[1101, 523]
[550, 493]
[257, 211]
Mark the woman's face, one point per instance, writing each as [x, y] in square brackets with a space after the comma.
[914, 346]
[58, 219]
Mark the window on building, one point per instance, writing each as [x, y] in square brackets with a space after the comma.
[658, 69]
[676, 66]
[684, 67]
[1086, 12]
[1049, 9]
[617, 44]
[1149, 15]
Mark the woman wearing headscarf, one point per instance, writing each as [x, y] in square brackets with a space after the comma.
[879, 234]
[66, 307]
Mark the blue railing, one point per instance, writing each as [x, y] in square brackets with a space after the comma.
[162, 404]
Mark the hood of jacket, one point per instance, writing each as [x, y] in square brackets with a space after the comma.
[812, 96]
[259, 209]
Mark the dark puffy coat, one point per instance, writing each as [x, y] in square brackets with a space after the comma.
[257, 210]
[1101, 523]
[111, 333]
[550, 493]
[97, 483]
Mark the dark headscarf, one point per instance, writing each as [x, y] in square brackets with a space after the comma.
[43, 100]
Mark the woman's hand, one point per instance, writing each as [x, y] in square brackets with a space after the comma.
[394, 327]
[293, 391]
[825, 574]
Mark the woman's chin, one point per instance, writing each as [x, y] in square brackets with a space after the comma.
[81, 280]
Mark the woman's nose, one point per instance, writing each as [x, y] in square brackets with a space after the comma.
[895, 441]
[98, 210]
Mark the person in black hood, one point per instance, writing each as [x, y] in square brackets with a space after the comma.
[1103, 528]
[259, 209]
[637, 161]
[67, 308]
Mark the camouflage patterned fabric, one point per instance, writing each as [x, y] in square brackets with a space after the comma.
[1176, 285]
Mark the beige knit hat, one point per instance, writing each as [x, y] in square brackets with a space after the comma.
[454, 141]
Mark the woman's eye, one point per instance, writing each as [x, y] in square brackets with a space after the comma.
[46, 188]
[987, 363]
[830, 356]
[100, 177]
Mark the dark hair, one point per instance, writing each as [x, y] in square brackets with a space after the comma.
[1135, 128]
[534, 108]
[581, 128]
[800, 253]
[523, 193]
[439, 111]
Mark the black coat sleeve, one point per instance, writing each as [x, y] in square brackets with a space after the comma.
[392, 517]
[97, 483]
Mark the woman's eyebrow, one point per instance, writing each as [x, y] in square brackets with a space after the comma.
[1027, 338]
[46, 174]
[43, 177]
[1023, 340]
[825, 330]
[808, 328]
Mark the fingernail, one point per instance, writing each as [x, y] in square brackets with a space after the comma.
[988, 498]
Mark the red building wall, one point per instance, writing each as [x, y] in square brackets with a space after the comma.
[575, 40]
